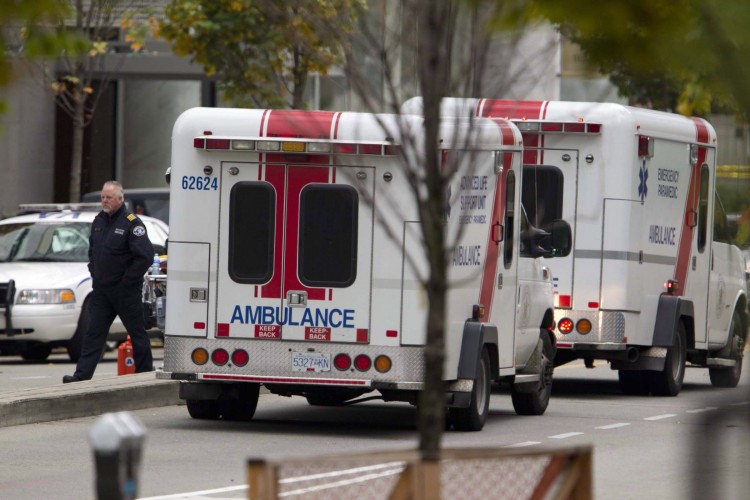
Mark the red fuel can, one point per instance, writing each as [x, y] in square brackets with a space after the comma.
[125, 361]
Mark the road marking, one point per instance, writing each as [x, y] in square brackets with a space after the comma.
[35, 377]
[336, 473]
[701, 410]
[612, 426]
[523, 444]
[743, 403]
[338, 484]
[565, 436]
[661, 417]
[193, 494]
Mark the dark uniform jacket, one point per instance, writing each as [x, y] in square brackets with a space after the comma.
[119, 249]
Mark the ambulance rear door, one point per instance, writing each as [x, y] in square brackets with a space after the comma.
[295, 251]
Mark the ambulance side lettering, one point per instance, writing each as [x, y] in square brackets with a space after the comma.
[662, 235]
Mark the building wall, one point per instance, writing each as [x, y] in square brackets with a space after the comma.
[26, 146]
[150, 108]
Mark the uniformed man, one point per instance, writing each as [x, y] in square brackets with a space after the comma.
[120, 253]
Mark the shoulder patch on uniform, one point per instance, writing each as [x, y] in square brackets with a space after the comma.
[139, 231]
[131, 217]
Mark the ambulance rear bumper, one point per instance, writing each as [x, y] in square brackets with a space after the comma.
[457, 386]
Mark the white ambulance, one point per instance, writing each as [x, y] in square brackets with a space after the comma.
[296, 262]
[653, 282]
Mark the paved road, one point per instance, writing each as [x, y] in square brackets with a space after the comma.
[17, 374]
[644, 447]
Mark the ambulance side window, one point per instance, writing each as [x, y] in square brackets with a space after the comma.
[542, 194]
[510, 201]
[251, 231]
[703, 209]
[328, 235]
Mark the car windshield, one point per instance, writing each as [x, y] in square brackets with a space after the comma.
[34, 242]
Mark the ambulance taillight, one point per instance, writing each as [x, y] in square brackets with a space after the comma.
[342, 362]
[240, 357]
[220, 357]
[362, 362]
[565, 325]
[583, 326]
[199, 356]
[383, 363]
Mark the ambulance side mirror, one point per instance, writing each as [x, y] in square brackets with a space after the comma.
[553, 240]
[562, 238]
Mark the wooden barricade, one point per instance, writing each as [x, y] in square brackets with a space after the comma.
[559, 474]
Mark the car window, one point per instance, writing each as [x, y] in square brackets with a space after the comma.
[153, 207]
[157, 235]
[29, 242]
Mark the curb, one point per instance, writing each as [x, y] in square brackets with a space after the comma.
[87, 398]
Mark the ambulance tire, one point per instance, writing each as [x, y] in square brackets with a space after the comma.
[730, 377]
[203, 409]
[75, 344]
[241, 408]
[668, 382]
[633, 382]
[474, 417]
[535, 403]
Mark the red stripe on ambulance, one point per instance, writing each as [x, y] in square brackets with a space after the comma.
[691, 206]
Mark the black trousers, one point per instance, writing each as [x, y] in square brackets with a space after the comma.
[105, 303]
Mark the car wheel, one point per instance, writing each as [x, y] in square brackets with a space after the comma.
[36, 352]
[730, 377]
[75, 344]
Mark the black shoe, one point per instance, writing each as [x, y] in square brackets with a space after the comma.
[70, 378]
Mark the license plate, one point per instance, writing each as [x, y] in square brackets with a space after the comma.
[311, 362]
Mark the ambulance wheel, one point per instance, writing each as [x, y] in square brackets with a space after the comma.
[203, 409]
[536, 402]
[730, 377]
[668, 382]
[474, 417]
[241, 408]
[75, 344]
[633, 382]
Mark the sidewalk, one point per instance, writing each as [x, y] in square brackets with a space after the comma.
[88, 398]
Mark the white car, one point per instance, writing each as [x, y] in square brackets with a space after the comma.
[44, 281]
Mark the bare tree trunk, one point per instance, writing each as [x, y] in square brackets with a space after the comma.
[76, 154]
[434, 39]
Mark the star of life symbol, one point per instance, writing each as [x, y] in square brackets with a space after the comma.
[642, 187]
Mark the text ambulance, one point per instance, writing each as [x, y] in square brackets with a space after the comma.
[654, 281]
[295, 259]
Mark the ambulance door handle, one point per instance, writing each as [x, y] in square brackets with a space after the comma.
[297, 299]
[694, 263]
[500, 281]
[497, 233]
